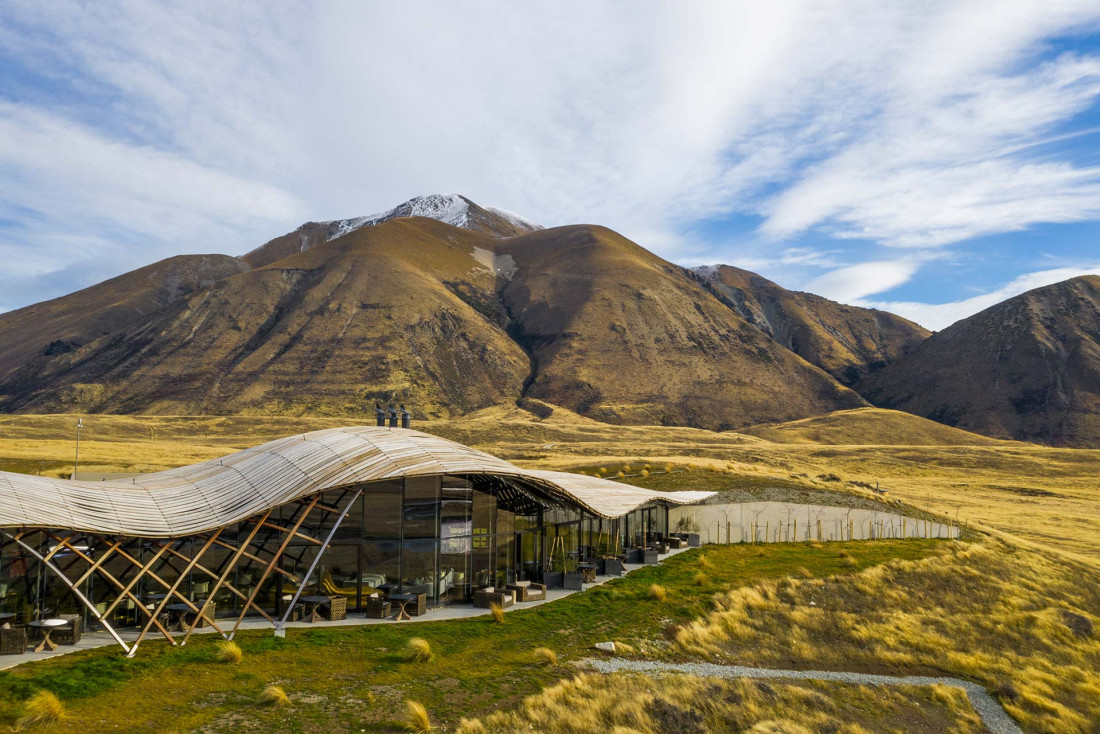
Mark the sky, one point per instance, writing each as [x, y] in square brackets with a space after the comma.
[928, 158]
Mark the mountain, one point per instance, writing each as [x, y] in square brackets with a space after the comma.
[1027, 368]
[848, 342]
[32, 337]
[868, 427]
[450, 209]
[373, 314]
[445, 318]
[618, 334]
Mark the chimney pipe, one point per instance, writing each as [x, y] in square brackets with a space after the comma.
[393, 417]
[406, 419]
[379, 416]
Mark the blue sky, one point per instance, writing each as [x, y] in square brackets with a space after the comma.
[931, 158]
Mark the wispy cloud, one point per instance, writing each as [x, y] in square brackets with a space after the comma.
[941, 315]
[134, 130]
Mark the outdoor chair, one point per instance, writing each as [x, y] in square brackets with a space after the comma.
[337, 608]
[13, 640]
[528, 591]
[489, 595]
[69, 634]
[378, 607]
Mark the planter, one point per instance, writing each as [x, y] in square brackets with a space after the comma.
[553, 579]
[694, 540]
[574, 582]
[610, 567]
[649, 557]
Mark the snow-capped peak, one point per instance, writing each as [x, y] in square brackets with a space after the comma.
[447, 208]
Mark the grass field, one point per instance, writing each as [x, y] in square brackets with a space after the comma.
[351, 679]
[1015, 607]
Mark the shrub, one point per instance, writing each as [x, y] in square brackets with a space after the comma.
[416, 717]
[546, 656]
[42, 708]
[668, 468]
[273, 696]
[602, 470]
[645, 472]
[418, 650]
[700, 579]
[658, 592]
[497, 613]
[229, 652]
[626, 467]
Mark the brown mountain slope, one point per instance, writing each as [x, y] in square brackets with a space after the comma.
[35, 334]
[618, 334]
[1027, 368]
[846, 341]
[449, 208]
[371, 315]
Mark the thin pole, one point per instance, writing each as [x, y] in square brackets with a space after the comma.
[305, 580]
[76, 460]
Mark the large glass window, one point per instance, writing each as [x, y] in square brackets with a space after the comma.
[421, 508]
[382, 510]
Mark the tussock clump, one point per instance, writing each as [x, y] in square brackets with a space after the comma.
[228, 652]
[43, 709]
[418, 650]
[805, 572]
[658, 592]
[700, 579]
[496, 613]
[545, 656]
[416, 717]
[273, 696]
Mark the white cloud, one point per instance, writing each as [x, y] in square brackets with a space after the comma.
[854, 282]
[163, 128]
[941, 315]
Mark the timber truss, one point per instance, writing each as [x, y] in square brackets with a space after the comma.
[153, 576]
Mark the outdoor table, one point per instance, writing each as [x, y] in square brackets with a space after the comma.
[403, 600]
[588, 572]
[314, 603]
[179, 611]
[6, 617]
[47, 626]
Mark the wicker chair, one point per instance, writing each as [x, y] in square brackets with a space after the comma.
[489, 595]
[337, 608]
[378, 607]
[69, 634]
[13, 641]
[528, 591]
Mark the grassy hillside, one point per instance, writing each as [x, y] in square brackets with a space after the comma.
[869, 426]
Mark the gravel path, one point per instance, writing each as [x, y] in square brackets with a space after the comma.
[993, 715]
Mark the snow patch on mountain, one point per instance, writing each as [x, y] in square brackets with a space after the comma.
[515, 219]
[447, 208]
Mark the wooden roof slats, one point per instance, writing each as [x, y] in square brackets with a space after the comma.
[195, 499]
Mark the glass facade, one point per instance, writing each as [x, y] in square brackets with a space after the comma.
[444, 537]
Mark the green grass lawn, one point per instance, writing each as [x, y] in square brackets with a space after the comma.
[355, 678]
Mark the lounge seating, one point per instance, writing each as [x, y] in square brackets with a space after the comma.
[13, 640]
[337, 608]
[69, 634]
[377, 606]
[489, 595]
[677, 543]
[528, 591]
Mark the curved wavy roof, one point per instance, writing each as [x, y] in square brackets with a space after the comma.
[196, 498]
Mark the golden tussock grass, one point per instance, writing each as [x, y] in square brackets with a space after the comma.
[42, 709]
[273, 696]
[700, 579]
[228, 652]
[545, 656]
[658, 592]
[416, 717]
[418, 650]
[1021, 623]
[632, 703]
[496, 613]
